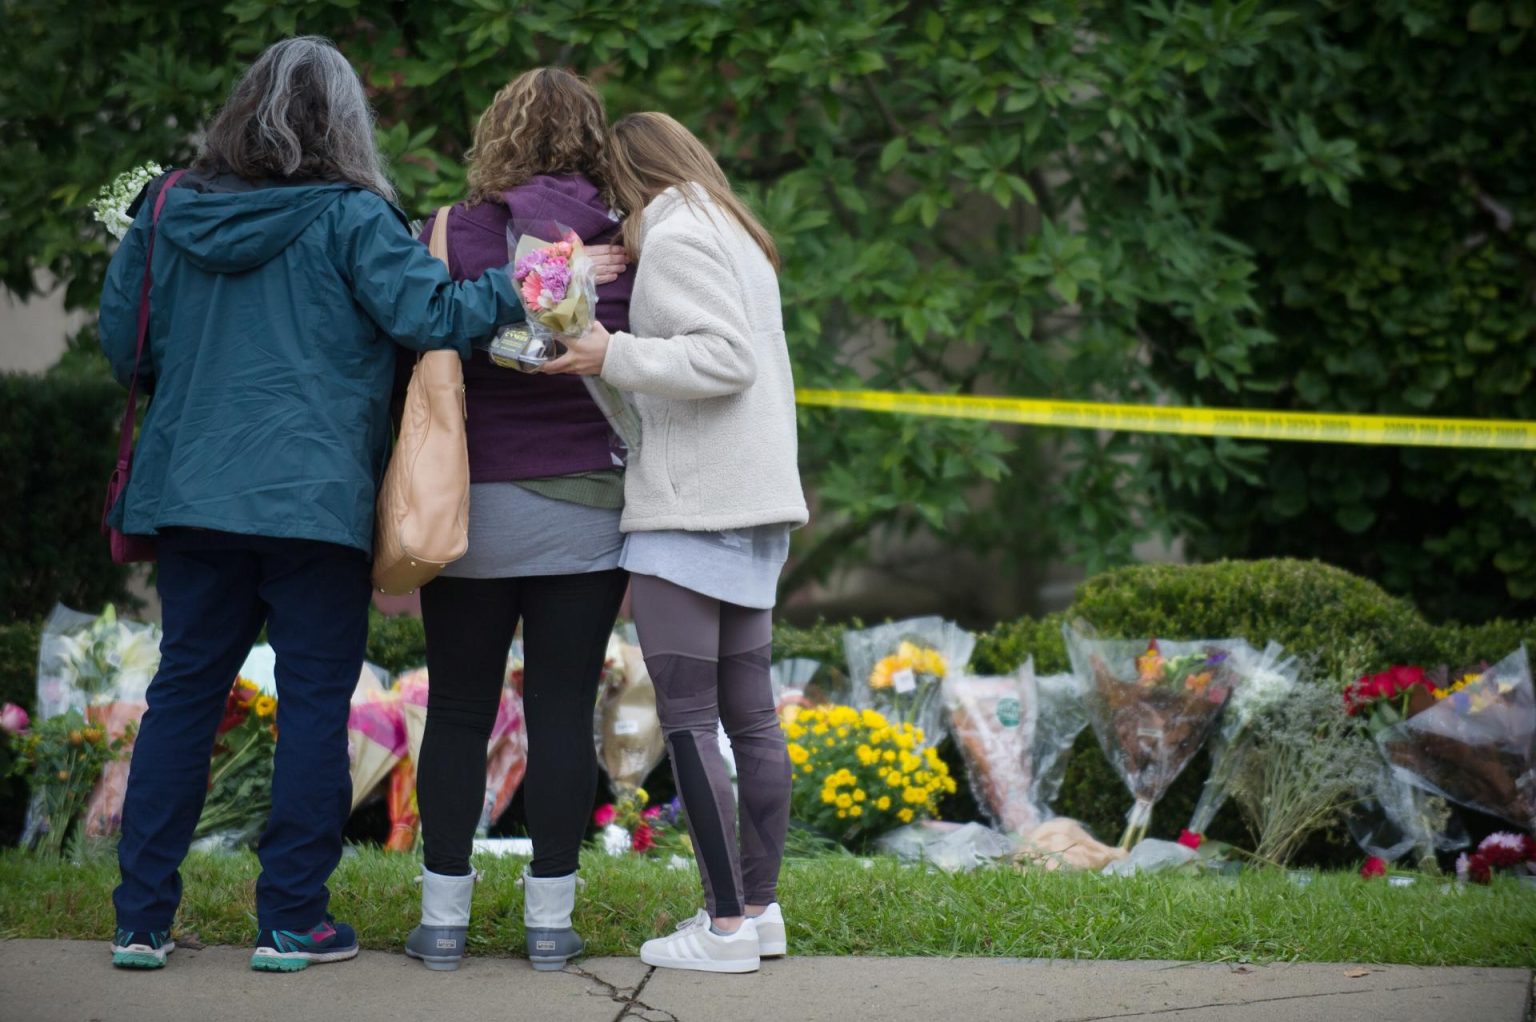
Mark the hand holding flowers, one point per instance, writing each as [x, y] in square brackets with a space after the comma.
[583, 356]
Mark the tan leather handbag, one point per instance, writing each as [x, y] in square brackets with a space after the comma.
[423, 511]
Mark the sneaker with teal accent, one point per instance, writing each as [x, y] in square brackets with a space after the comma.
[292, 950]
[141, 949]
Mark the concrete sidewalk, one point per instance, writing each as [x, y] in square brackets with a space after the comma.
[72, 981]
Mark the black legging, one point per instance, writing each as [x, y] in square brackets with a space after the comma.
[469, 624]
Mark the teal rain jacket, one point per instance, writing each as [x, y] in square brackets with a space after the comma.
[273, 320]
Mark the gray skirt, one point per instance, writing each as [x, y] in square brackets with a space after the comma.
[741, 566]
[516, 533]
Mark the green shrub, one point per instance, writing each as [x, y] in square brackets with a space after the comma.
[396, 643]
[1344, 624]
[57, 446]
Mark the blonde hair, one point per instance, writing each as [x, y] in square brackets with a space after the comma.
[544, 121]
[649, 153]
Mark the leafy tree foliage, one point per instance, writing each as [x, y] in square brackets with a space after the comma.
[1307, 204]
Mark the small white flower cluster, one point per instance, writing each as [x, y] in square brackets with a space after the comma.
[111, 204]
[1267, 681]
[616, 840]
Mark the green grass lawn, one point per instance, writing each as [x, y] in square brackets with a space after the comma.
[841, 906]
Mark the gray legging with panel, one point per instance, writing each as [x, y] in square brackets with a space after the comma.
[709, 662]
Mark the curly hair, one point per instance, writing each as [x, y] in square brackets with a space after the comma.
[545, 121]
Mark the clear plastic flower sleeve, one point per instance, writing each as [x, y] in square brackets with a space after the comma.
[1476, 747]
[556, 282]
[899, 668]
[1152, 705]
[993, 723]
[1262, 681]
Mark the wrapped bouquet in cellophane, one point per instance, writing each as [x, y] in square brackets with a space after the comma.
[1152, 705]
[1262, 681]
[557, 284]
[1476, 745]
[899, 668]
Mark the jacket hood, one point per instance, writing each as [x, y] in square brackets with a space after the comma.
[234, 231]
[568, 200]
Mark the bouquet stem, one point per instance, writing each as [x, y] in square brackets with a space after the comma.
[1137, 822]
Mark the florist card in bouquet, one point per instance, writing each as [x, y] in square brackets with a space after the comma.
[898, 669]
[1152, 705]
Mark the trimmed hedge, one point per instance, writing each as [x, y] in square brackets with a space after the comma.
[57, 446]
[1343, 624]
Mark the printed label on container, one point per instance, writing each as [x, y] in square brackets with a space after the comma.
[626, 727]
[1008, 712]
[904, 681]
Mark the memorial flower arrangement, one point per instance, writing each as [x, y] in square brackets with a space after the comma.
[62, 757]
[1477, 745]
[1264, 681]
[109, 658]
[1504, 852]
[899, 669]
[1382, 700]
[858, 774]
[631, 826]
[1152, 707]
[240, 772]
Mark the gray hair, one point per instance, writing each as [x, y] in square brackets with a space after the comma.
[298, 112]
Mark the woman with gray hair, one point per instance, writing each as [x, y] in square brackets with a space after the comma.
[279, 277]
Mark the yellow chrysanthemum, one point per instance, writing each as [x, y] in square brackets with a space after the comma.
[264, 706]
[904, 815]
[797, 753]
[883, 803]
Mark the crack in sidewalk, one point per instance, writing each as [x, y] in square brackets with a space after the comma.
[1271, 1000]
[628, 998]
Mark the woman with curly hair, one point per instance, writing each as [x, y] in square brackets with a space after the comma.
[545, 500]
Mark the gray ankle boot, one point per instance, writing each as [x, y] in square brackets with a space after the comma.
[439, 940]
[547, 905]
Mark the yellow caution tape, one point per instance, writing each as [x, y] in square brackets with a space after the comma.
[1315, 427]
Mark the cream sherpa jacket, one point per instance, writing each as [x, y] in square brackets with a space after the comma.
[707, 363]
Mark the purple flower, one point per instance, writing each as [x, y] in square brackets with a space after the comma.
[556, 274]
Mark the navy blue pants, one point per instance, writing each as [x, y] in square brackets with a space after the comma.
[216, 591]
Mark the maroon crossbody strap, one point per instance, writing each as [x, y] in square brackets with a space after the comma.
[125, 436]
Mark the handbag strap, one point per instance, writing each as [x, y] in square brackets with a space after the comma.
[125, 435]
[438, 246]
[439, 243]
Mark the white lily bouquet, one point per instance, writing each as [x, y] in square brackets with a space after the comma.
[111, 204]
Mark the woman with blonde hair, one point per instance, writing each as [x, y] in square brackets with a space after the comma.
[544, 541]
[710, 500]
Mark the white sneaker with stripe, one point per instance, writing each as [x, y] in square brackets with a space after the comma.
[695, 946]
[771, 939]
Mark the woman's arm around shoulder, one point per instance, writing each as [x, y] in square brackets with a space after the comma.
[408, 292]
[696, 309]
